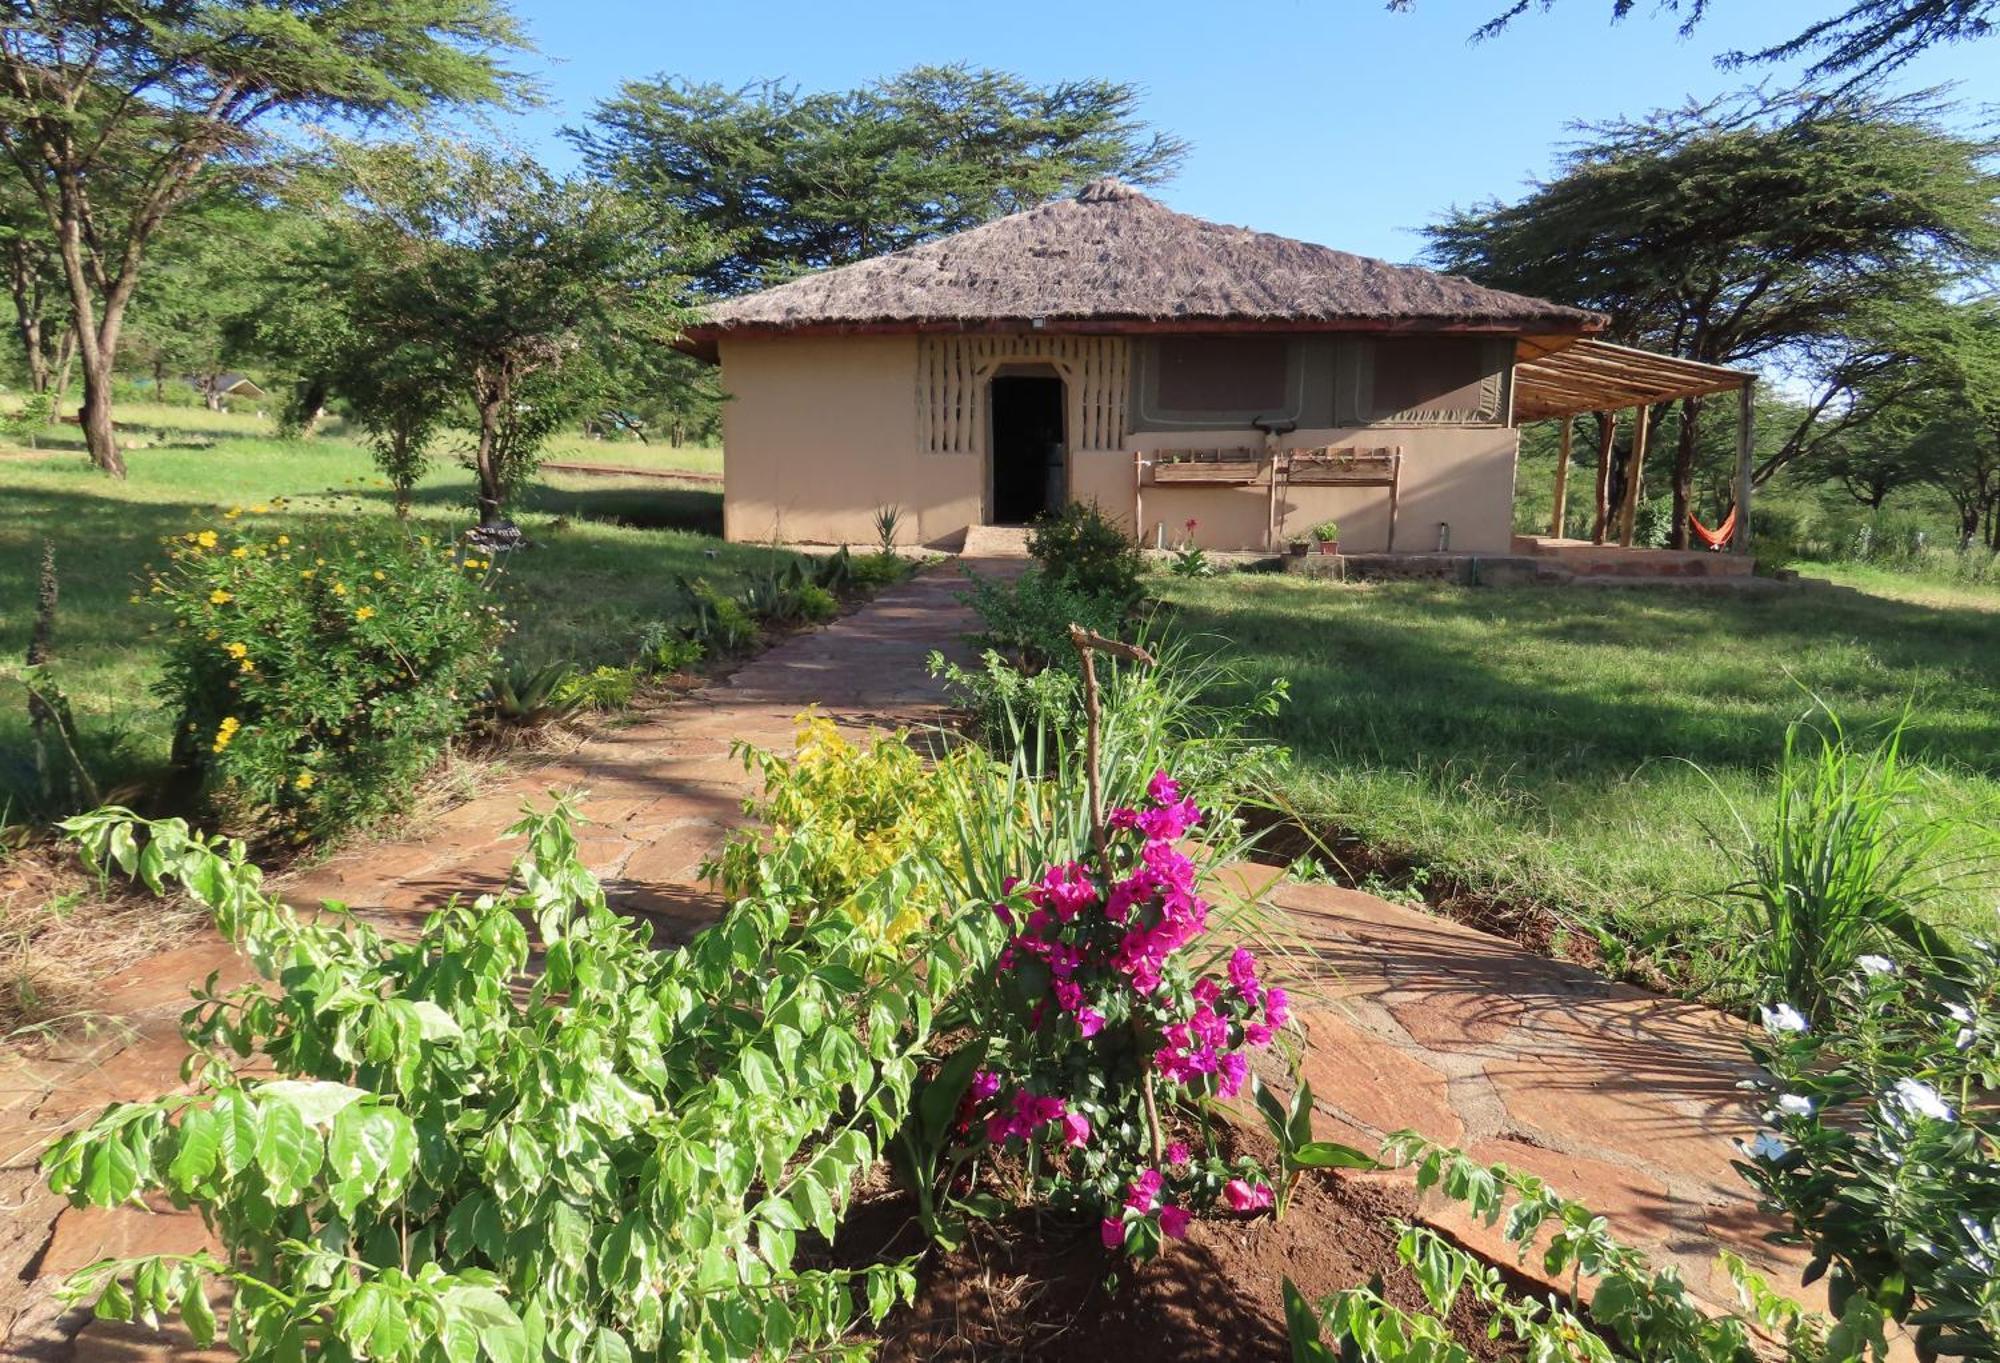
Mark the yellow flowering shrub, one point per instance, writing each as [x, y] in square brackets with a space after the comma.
[863, 810]
[318, 673]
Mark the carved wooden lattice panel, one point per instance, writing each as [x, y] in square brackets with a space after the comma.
[952, 372]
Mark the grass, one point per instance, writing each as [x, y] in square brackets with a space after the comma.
[607, 553]
[1573, 749]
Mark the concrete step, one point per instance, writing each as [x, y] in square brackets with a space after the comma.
[995, 541]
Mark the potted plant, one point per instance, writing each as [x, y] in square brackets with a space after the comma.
[1327, 536]
[1297, 546]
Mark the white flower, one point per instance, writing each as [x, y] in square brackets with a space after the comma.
[1876, 965]
[1959, 1012]
[1783, 1018]
[1919, 1099]
[1769, 1147]
[1795, 1105]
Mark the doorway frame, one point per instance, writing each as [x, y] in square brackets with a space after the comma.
[1025, 369]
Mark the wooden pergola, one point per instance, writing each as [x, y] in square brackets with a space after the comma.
[1562, 378]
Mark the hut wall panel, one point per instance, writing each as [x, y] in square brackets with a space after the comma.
[952, 373]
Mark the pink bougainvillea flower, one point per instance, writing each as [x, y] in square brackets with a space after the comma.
[1242, 1196]
[1144, 1193]
[985, 1083]
[1174, 1222]
[1089, 1021]
[1111, 1231]
[1243, 973]
[1164, 789]
[1177, 1154]
[1076, 1129]
[1122, 819]
[1257, 1033]
[1231, 1071]
[1207, 992]
[1277, 1007]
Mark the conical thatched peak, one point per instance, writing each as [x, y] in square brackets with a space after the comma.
[1111, 254]
[1110, 189]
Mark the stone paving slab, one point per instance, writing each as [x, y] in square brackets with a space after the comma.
[1621, 1099]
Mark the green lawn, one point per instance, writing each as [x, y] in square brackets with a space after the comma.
[1573, 748]
[606, 557]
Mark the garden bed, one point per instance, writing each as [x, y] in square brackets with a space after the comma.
[1038, 1285]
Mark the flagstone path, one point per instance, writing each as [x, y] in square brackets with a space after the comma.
[1620, 1099]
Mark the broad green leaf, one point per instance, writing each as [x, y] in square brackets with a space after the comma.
[288, 1152]
[1332, 1155]
[317, 1101]
[200, 1147]
[110, 1170]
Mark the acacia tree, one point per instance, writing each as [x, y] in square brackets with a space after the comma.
[1768, 231]
[1856, 43]
[35, 286]
[786, 182]
[510, 278]
[111, 111]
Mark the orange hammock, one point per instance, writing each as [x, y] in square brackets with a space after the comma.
[1719, 536]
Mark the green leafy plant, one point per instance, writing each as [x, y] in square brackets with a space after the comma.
[602, 688]
[929, 1151]
[1326, 532]
[1291, 1131]
[1882, 1146]
[720, 623]
[317, 675]
[1843, 868]
[1083, 550]
[528, 697]
[617, 1158]
[664, 648]
[26, 424]
[888, 520]
[1028, 619]
[1635, 1312]
[866, 572]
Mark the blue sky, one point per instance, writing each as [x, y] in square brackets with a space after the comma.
[1333, 121]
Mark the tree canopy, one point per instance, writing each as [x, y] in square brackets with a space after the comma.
[786, 181]
[1854, 45]
[1778, 231]
[112, 110]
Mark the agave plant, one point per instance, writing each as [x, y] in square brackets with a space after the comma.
[525, 697]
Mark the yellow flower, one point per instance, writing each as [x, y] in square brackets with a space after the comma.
[340, 589]
[381, 576]
[239, 552]
[236, 650]
[364, 612]
[134, 599]
[306, 574]
[225, 732]
[284, 539]
[259, 509]
[305, 780]
[219, 597]
[246, 666]
[206, 539]
[232, 513]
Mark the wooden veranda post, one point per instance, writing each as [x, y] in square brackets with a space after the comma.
[1562, 482]
[1745, 424]
[1635, 473]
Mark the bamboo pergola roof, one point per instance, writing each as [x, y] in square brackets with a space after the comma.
[1559, 377]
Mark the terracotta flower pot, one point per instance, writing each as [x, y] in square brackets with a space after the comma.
[1329, 546]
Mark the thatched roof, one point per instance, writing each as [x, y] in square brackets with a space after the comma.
[1113, 259]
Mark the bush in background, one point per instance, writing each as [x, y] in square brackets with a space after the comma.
[1028, 619]
[318, 674]
[1084, 551]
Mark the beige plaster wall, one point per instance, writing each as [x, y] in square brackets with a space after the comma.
[818, 432]
[1463, 475]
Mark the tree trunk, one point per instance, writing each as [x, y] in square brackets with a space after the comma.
[485, 458]
[1685, 449]
[65, 361]
[1607, 437]
[100, 437]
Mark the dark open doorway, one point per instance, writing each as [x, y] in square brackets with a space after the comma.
[1029, 459]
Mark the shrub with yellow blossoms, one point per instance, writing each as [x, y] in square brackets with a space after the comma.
[319, 672]
[863, 810]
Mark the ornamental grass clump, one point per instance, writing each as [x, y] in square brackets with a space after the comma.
[318, 673]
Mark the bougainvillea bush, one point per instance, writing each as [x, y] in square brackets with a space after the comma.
[1882, 1145]
[317, 673]
[1102, 1029]
[446, 1160]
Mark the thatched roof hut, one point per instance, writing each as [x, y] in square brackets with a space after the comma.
[1113, 259]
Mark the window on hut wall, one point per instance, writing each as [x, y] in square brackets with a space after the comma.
[1218, 381]
[1422, 381]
